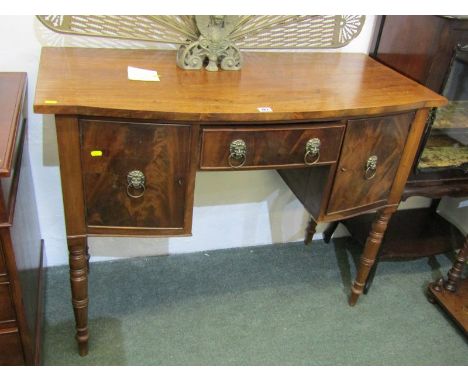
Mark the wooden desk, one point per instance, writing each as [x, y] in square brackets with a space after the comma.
[108, 126]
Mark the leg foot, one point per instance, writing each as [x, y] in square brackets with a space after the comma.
[83, 348]
[430, 295]
[310, 230]
[354, 295]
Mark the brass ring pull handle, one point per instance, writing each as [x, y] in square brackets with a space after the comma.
[371, 167]
[238, 153]
[136, 181]
[312, 151]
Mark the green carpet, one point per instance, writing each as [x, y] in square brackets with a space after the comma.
[271, 305]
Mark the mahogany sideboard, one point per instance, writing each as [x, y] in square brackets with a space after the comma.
[21, 249]
[341, 129]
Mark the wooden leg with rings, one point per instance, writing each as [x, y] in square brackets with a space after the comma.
[374, 240]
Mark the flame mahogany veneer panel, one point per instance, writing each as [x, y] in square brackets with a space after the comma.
[160, 151]
[384, 137]
[270, 146]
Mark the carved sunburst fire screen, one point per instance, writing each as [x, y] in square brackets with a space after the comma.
[216, 40]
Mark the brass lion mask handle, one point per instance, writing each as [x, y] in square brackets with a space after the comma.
[312, 151]
[237, 153]
[371, 167]
[136, 184]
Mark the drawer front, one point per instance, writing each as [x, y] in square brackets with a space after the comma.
[3, 270]
[116, 195]
[270, 147]
[356, 183]
[8, 183]
[7, 311]
[11, 351]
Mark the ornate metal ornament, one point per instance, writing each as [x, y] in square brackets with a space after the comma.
[136, 181]
[237, 153]
[215, 39]
[371, 167]
[213, 45]
[312, 151]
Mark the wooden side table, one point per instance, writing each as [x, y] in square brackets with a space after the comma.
[452, 294]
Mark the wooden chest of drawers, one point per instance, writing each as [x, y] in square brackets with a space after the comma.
[21, 252]
[342, 131]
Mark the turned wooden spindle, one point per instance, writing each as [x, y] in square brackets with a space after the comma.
[79, 288]
[370, 252]
[454, 275]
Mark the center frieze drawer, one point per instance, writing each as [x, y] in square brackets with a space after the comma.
[275, 146]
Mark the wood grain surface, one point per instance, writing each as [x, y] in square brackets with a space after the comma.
[294, 85]
[10, 339]
[409, 44]
[384, 137]
[161, 152]
[270, 147]
[12, 86]
[7, 311]
[2, 263]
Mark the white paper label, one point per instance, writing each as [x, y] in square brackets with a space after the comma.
[264, 109]
[138, 74]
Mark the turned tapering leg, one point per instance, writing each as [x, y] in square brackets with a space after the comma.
[329, 231]
[310, 230]
[370, 277]
[370, 252]
[69, 144]
[79, 289]
[455, 273]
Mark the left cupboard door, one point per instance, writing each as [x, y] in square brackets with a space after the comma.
[135, 176]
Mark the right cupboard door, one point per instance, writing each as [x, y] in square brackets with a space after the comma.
[368, 163]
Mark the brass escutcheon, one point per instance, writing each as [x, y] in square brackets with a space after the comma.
[312, 150]
[237, 152]
[136, 180]
[371, 167]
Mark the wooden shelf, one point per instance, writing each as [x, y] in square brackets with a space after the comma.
[445, 151]
[454, 115]
[454, 303]
[411, 233]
